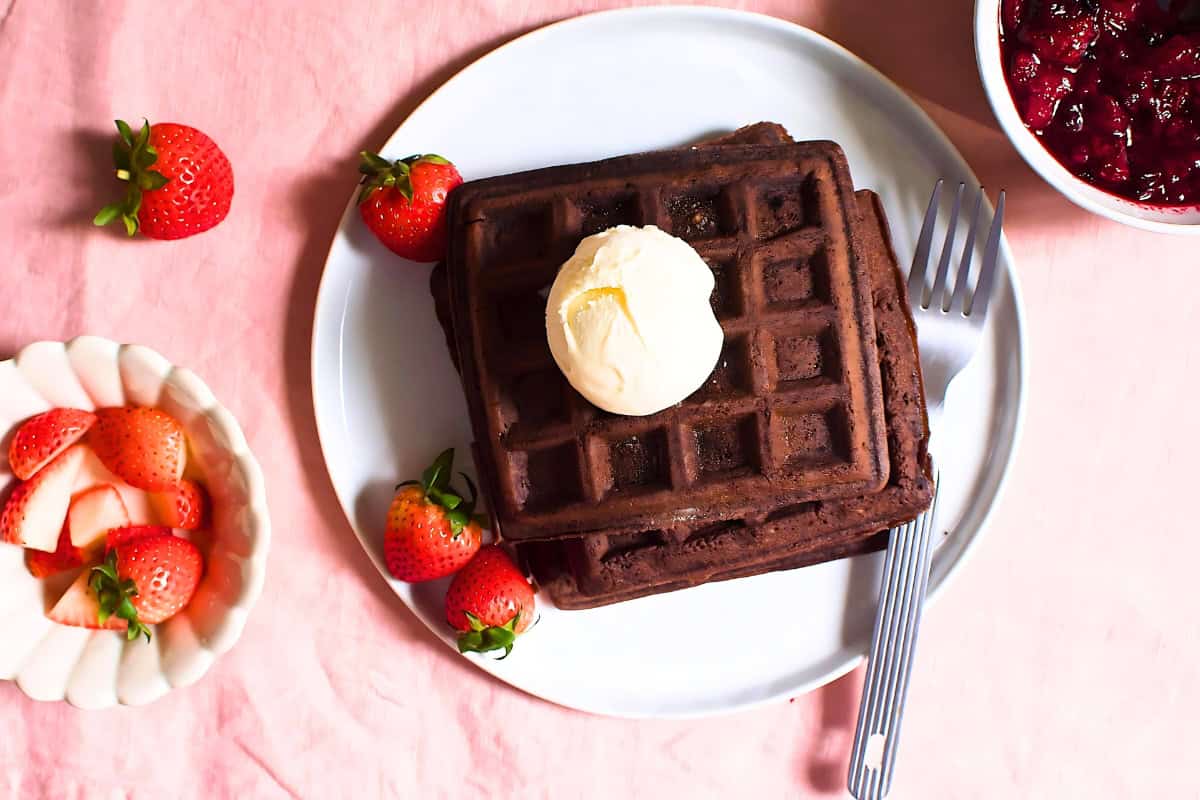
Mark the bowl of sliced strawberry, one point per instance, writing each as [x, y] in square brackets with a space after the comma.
[1102, 99]
[133, 524]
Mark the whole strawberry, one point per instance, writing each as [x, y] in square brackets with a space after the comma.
[188, 191]
[404, 203]
[431, 529]
[146, 579]
[490, 601]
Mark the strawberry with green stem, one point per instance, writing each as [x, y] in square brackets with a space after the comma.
[432, 529]
[180, 182]
[490, 602]
[404, 202]
[148, 577]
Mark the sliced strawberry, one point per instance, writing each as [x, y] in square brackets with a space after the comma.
[184, 506]
[144, 447]
[37, 508]
[94, 513]
[80, 608]
[121, 536]
[93, 474]
[41, 438]
[42, 564]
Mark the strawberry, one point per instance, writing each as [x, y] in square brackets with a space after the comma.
[404, 203]
[430, 529]
[183, 506]
[93, 514]
[188, 191]
[36, 510]
[119, 536]
[144, 447]
[42, 564]
[93, 474]
[41, 438]
[80, 608]
[146, 579]
[490, 601]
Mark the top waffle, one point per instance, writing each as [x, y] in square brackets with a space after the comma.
[793, 411]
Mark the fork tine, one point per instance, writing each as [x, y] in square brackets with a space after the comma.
[916, 275]
[939, 281]
[964, 266]
[987, 272]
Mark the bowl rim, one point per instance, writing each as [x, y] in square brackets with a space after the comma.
[236, 614]
[1083, 194]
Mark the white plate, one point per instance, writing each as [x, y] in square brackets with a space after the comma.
[387, 399]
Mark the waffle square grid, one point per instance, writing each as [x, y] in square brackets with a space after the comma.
[793, 410]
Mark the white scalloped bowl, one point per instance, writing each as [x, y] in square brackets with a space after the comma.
[98, 669]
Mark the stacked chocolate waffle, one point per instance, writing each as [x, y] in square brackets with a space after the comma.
[808, 439]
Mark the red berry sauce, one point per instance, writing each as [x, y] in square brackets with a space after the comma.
[1112, 88]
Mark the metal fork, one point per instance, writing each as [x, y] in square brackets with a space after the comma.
[949, 320]
[949, 325]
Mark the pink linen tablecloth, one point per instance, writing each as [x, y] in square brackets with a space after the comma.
[1062, 663]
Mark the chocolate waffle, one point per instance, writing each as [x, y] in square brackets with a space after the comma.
[603, 568]
[793, 411]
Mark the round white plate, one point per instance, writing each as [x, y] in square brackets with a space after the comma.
[387, 398]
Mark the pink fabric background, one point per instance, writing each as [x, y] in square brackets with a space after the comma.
[1063, 662]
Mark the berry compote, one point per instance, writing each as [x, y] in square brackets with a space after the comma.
[1112, 89]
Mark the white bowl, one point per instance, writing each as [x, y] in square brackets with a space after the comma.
[98, 669]
[991, 70]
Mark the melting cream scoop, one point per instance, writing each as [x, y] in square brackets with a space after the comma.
[629, 321]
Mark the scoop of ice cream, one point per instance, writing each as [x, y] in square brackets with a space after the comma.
[629, 320]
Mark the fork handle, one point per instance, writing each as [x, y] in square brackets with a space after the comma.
[885, 689]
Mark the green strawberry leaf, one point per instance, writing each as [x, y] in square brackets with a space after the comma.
[121, 157]
[143, 138]
[481, 639]
[154, 180]
[471, 486]
[114, 596]
[458, 518]
[404, 186]
[126, 610]
[109, 568]
[430, 158]
[133, 155]
[107, 214]
[126, 132]
[438, 475]
[147, 158]
[372, 163]
[379, 173]
[470, 642]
